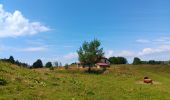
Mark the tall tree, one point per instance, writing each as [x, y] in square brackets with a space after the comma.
[60, 64]
[37, 64]
[56, 64]
[11, 59]
[137, 61]
[90, 53]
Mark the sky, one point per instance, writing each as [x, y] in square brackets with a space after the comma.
[53, 30]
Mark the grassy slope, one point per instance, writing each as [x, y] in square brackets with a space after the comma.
[119, 82]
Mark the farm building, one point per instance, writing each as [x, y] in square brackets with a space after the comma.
[104, 62]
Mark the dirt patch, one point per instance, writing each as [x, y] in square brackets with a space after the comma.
[154, 82]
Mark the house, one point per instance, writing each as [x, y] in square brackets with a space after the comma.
[103, 62]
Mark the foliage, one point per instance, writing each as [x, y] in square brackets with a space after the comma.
[153, 62]
[37, 64]
[122, 82]
[48, 65]
[3, 81]
[12, 60]
[56, 64]
[90, 53]
[136, 61]
[118, 60]
[66, 66]
[51, 68]
[60, 64]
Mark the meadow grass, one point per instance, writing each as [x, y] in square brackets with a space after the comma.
[119, 82]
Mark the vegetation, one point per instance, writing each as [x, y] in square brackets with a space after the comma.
[3, 82]
[118, 60]
[119, 82]
[90, 53]
[48, 65]
[137, 61]
[12, 60]
[66, 66]
[37, 64]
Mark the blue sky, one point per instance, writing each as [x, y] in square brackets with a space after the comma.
[53, 30]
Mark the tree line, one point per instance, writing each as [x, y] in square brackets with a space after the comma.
[138, 61]
[13, 61]
[37, 64]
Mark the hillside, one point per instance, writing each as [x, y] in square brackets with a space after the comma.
[120, 82]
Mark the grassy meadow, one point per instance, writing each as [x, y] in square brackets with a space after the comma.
[119, 82]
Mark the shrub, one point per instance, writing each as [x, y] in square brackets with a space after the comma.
[48, 65]
[51, 68]
[66, 66]
[3, 82]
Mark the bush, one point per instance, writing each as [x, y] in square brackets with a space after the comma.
[48, 65]
[66, 66]
[3, 82]
[51, 68]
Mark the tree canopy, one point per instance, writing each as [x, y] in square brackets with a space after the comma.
[136, 61]
[37, 64]
[48, 65]
[118, 60]
[90, 53]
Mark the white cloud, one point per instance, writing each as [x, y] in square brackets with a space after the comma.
[27, 49]
[163, 48]
[33, 49]
[71, 55]
[15, 24]
[124, 53]
[109, 53]
[142, 41]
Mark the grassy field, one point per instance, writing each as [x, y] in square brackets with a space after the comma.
[119, 82]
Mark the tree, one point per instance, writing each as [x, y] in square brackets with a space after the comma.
[118, 60]
[48, 65]
[90, 53]
[11, 59]
[60, 64]
[137, 61]
[56, 64]
[113, 60]
[37, 64]
[121, 60]
[152, 62]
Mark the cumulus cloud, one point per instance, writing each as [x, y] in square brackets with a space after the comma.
[163, 48]
[15, 24]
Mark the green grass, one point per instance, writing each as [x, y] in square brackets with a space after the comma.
[119, 82]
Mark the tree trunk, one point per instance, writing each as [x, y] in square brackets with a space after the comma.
[89, 70]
